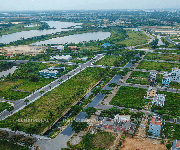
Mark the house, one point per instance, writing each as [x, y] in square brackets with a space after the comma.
[166, 79]
[58, 47]
[175, 75]
[9, 55]
[72, 48]
[155, 126]
[152, 78]
[61, 58]
[151, 92]
[176, 145]
[105, 45]
[159, 100]
[84, 58]
[48, 73]
[121, 118]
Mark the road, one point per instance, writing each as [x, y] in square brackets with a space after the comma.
[61, 140]
[20, 104]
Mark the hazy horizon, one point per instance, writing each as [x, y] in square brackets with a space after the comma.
[48, 5]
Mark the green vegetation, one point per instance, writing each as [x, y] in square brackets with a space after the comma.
[159, 66]
[171, 105]
[63, 96]
[175, 85]
[135, 38]
[130, 97]
[4, 65]
[138, 77]
[172, 131]
[78, 126]
[168, 51]
[5, 145]
[26, 80]
[3, 106]
[167, 57]
[89, 111]
[100, 140]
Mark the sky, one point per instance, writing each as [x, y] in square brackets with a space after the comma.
[20, 5]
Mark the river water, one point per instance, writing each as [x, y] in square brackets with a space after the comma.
[27, 34]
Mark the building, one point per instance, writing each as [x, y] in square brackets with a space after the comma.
[155, 126]
[58, 47]
[57, 68]
[175, 75]
[166, 79]
[72, 48]
[9, 55]
[61, 58]
[84, 58]
[121, 118]
[152, 78]
[176, 145]
[159, 100]
[105, 45]
[48, 73]
[151, 92]
[136, 29]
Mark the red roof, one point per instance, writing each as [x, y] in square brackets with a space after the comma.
[178, 144]
[105, 126]
[123, 129]
[158, 122]
[8, 55]
[110, 127]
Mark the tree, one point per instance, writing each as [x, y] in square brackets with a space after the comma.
[76, 109]
[28, 141]
[78, 126]
[26, 101]
[10, 108]
[89, 111]
[4, 135]
[168, 146]
[120, 143]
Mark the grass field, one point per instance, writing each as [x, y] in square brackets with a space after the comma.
[130, 97]
[135, 38]
[54, 103]
[168, 51]
[138, 77]
[159, 66]
[167, 57]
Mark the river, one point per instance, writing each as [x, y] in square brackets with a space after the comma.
[76, 38]
[27, 34]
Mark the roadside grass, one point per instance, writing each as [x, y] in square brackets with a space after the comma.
[139, 77]
[3, 106]
[175, 85]
[167, 57]
[159, 66]
[51, 106]
[135, 38]
[130, 97]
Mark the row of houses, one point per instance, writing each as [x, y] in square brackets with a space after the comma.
[158, 99]
[173, 76]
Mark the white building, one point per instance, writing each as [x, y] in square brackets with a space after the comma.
[175, 75]
[61, 58]
[58, 47]
[121, 118]
[159, 100]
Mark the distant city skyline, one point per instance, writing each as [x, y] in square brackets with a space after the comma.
[21, 5]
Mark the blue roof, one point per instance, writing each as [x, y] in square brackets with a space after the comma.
[155, 129]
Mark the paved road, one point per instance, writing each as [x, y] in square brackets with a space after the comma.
[20, 104]
[61, 140]
[163, 61]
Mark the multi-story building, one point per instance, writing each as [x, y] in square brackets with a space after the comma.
[155, 126]
[159, 100]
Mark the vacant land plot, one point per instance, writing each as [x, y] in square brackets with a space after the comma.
[51, 106]
[167, 57]
[171, 105]
[130, 97]
[159, 66]
[101, 140]
[136, 144]
[170, 133]
[138, 77]
[135, 38]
